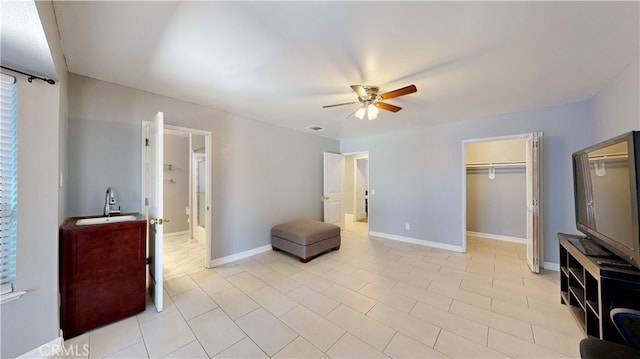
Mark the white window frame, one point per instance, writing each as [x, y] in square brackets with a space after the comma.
[8, 187]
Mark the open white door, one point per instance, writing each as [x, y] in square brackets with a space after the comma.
[333, 181]
[154, 172]
[534, 216]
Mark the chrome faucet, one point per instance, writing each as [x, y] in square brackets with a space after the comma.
[110, 205]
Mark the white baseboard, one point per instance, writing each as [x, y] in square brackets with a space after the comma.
[242, 255]
[47, 350]
[417, 241]
[498, 237]
[552, 266]
[348, 218]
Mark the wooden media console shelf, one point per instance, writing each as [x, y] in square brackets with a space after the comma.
[592, 287]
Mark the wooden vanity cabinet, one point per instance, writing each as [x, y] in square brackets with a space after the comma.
[102, 273]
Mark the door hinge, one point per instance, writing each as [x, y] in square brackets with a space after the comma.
[146, 142]
[149, 260]
[146, 201]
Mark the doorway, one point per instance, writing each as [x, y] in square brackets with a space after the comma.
[501, 194]
[186, 193]
[356, 198]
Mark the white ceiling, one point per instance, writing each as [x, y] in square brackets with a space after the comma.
[280, 62]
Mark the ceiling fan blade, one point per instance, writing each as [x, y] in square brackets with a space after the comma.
[399, 92]
[388, 107]
[359, 90]
[340, 104]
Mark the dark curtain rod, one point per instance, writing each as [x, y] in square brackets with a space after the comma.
[31, 77]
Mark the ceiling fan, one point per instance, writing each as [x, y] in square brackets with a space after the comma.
[371, 101]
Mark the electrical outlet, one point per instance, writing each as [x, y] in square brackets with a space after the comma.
[407, 226]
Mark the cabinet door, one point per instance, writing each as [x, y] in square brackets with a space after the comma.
[95, 303]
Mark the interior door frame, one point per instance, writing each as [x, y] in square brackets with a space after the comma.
[207, 159]
[208, 181]
[524, 136]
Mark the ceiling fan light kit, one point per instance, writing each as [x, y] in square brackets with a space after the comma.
[370, 110]
[370, 101]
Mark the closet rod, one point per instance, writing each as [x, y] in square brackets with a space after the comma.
[496, 164]
[31, 77]
[613, 156]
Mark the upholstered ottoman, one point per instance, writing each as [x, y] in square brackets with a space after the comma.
[305, 238]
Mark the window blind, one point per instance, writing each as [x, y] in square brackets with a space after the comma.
[8, 181]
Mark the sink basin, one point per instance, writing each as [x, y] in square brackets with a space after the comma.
[103, 220]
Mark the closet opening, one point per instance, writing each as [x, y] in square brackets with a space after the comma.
[501, 193]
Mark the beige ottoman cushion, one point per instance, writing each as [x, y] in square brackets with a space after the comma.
[305, 238]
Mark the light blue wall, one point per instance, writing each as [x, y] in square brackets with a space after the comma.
[262, 174]
[417, 175]
[497, 206]
[102, 154]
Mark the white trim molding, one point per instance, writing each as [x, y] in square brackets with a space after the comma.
[10, 297]
[552, 266]
[417, 241]
[497, 237]
[242, 255]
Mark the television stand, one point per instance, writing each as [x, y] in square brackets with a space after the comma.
[592, 286]
[590, 248]
[615, 265]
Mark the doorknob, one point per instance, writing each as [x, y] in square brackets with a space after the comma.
[325, 197]
[158, 220]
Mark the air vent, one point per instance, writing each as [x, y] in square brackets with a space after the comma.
[316, 128]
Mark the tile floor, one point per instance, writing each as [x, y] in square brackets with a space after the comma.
[181, 255]
[372, 298]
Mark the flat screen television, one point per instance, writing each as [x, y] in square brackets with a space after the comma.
[606, 193]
